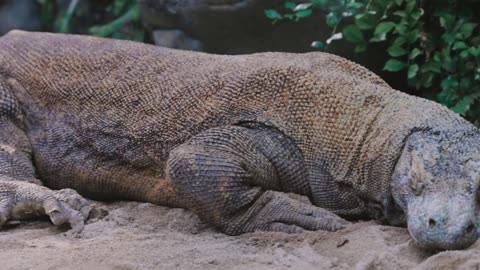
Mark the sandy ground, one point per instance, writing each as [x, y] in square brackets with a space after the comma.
[129, 235]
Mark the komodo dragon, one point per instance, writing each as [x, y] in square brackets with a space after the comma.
[269, 141]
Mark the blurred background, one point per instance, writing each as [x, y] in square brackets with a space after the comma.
[428, 48]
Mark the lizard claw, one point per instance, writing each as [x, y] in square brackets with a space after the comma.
[74, 201]
[63, 213]
[298, 215]
[26, 200]
[67, 206]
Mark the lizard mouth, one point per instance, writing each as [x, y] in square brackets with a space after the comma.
[444, 228]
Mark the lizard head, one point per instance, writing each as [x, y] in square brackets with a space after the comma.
[436, 183]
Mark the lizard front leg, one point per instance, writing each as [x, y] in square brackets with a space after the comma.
[22, 195]
[223, 176]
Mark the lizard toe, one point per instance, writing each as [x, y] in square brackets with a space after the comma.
[321, 219]
[304, 215]
[5, 209]
[60, 213]
[74, 201]
[285, 228]
[326, 223]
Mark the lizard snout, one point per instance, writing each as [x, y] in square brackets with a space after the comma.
[439, 225]
[436, 223]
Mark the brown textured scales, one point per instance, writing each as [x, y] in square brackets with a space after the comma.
[220, 135]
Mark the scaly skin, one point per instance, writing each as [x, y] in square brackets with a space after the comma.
[271, 141]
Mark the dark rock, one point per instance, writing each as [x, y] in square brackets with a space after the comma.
[176, 39]
[19, 14]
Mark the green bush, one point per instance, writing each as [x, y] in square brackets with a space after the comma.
[435, 43]
[110, 18]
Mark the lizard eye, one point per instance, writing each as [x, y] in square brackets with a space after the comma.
[417, 174]
[417, 187]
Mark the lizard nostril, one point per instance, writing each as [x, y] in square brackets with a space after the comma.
[470, 229]
[432, 223]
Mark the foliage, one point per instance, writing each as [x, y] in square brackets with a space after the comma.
[435, 43]
[112, 18]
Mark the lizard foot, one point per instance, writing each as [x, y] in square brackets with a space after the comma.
[296, 214]
[22, 200]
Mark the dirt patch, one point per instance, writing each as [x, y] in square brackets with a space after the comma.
[129, 235]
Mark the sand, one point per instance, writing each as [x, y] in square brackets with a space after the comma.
[131, 235]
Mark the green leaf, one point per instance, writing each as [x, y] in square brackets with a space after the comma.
[398, 2]
[412, 36]
[399, 41]
[465, 83]
[113, 28]
[353, 34]
[355, 5]
[303, 13]
[304, 6]
[467, 29]
[449, 65]
[378, 38]
[361, 48]
[414, 53]
[383, 28]
[290, 5]
[394, 65]
[447, 21]
[415, 15]
[438, 56]
[318, 44]
[332, 19]
[319, 2]
[410, 5]
[449, 38]
[365, 21]
[477, 74]
[396, 51]
[412, 71]
[431, 66]
[474, 51]
[401, 29]
[426, 80]
[475, 40]
[336, 7]
[350, 12]
[449, 83]
[465, 103]
[459, 45]
[447, 97]
[117, 7]
[464, 54]
[273, 14]
[400, 13]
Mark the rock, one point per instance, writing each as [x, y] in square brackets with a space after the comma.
[19, 14]
[176, 39]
